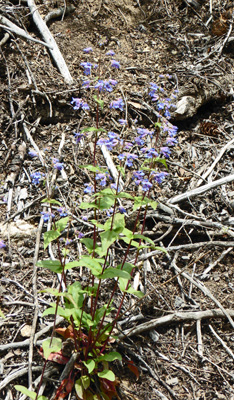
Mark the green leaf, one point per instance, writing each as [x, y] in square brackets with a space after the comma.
[71, 264]
[52, 265]
[108, 238]
[55, 346]
[145, 238]
[133, 242]
[111, 272]
[79, 389]
[61, 224]
[92, 168]
[139, 201]
[52, 291]
[123, 284]
[99, 102]
[49, 237]
[29, 393]
[137, 293]
[126, 267]
[124, 195]
[91, 263]
[51, 201]
[113, 355]
[65, 313]
[1, 314]
[85, 381]
[160, 249]
[88, 244]
[93, 129]
[90, 365]
[85, 205]
[107, 374]
[105, 203]
[77, 293]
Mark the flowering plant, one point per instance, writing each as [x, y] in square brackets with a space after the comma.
[92, 322]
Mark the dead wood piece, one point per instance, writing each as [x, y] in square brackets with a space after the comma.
[112, 167]
[228, 350]
[49, 39]
[17, 374]
[208, 172]
[59, 12]
[175, 318]
[201, 190]
[213, 264]
[6, 24]
[203, 224]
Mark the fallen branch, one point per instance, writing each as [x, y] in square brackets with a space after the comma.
[6, 24]
[202, 189]
[49, 39]
[175, 318]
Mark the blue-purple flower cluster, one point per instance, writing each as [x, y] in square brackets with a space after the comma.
[47, 215]
[36, 177]
[163, 105]
[144, 143]
[79, 103]
[2, 244]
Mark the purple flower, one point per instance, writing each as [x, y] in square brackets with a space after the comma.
[85, 106]
[36, 176]
[173, 130]
[115, 64]
[165, 151]
[80, 235]
[101, 142]
[102, 177]
[32, 153]
[68, 241]
[112, 135]
[130, 159]
[139, 174]
[110, 144]
[78, 137]
[167, 114]
[146, 185]
[88, 50]
[171, 141]
[122, 121]
[2, 244]
[86, 84]
[122, 210]
[85, 218]
[107, 86]
[121, 157]
[113, 82]
[143, 132]
[127, 145]
[59, 166]
[150, 153]
[109, 212]
[62, 212]
[117, 104]
[159, 176]
[110, 53]
[87, 67]
[88, 188]
[139, 141]
[79, 103]
[47, 215]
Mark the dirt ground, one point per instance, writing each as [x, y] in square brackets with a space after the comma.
[187, 355]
